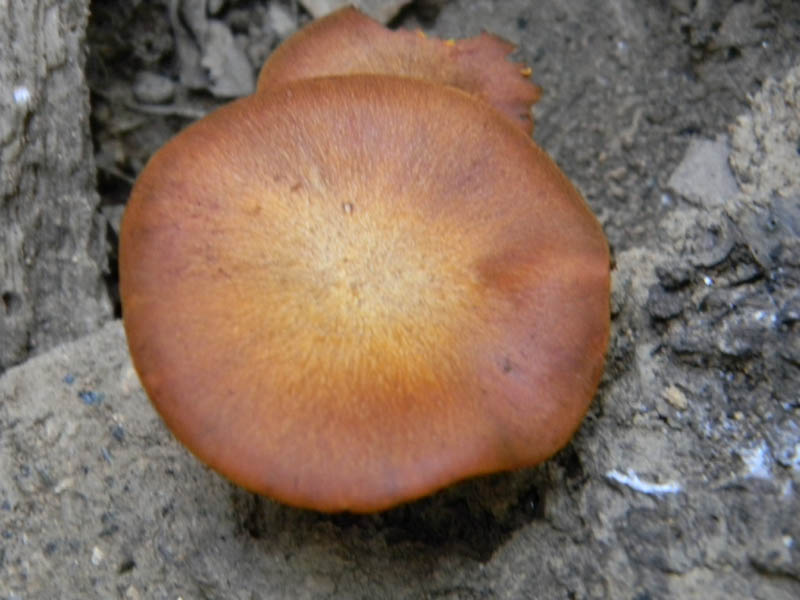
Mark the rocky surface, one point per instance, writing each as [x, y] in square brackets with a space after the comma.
[680, 122]
[52, 237]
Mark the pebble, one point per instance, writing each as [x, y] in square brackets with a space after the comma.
[152, 88]
[676, 398]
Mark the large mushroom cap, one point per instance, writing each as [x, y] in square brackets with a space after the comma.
[353, 291]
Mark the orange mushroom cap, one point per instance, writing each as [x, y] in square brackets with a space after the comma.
[347, 42]
[347, 292]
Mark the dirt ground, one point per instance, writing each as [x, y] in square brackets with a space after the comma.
[679, 121]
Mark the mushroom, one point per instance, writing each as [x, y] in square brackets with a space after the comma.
[363, 283]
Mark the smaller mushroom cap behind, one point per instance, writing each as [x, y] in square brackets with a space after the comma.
[348, 42]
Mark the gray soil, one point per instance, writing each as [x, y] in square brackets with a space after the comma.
[679, 121]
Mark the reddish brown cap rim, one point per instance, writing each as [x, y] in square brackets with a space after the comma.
[354, 291]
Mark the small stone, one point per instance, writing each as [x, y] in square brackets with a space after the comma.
[281, 20]
[63, 485]
[152, 88]
[97, 556]
[228, 67]
[743, 25]
[704, 176]
[676, 398]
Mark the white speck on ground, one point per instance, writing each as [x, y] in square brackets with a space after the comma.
[757, 461]
[633, 481]
[22, 95]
